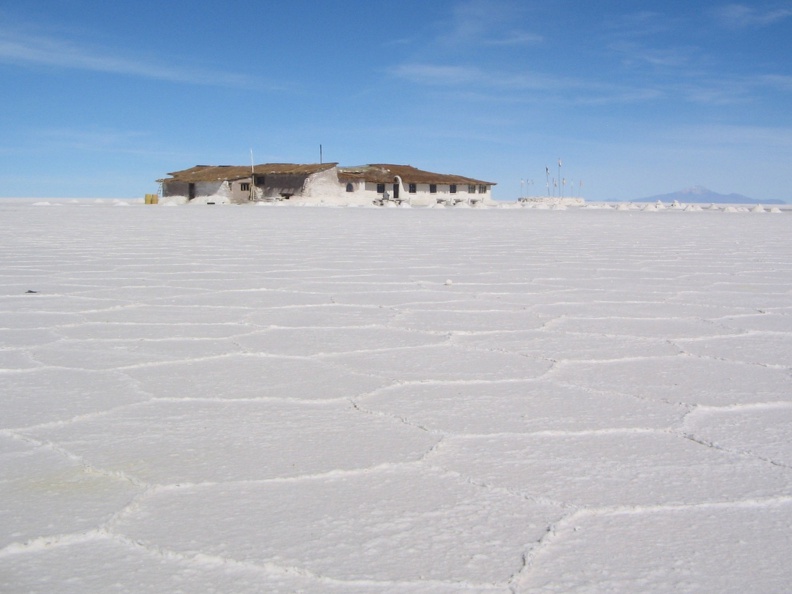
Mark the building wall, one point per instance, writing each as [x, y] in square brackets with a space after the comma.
[236, 193]
[321, 187]
[279, 186]
[222, 192]
[175, 188]
[423, 196]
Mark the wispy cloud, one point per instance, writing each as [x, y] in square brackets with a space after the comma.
[437, 75]
[480, 84]
[715, 93]
[94, 139]
[740, 16]
[463, 76]
[487, 22]
[735, 135]
[60, 141]
[724, 90]
[665, 57]
[778, 81]
[633, 25]
[515, 38]
[473, 82]
[29, 50]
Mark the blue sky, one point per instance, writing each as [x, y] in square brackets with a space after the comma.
[636, 98]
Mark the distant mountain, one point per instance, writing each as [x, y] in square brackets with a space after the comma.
[701, 195]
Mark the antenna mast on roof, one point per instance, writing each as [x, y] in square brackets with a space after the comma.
[252, 175]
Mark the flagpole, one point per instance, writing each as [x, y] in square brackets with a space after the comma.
[547, 173]
[252, 176]
[559, 178]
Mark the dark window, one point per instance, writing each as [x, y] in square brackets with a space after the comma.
[471, 189]
[380, 188]
[260, 180]
[433, 188]
[413, 189]
[452, 188]
[482, 189]
[350, 187]
[244, 186]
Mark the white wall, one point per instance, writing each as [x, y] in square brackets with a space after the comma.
[325, 187]
[218, 192]
[423, 197]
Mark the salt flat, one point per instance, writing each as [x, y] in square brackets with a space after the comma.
[286, 399]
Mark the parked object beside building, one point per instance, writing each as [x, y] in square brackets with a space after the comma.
[322, 183]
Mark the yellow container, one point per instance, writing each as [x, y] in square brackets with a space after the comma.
[152, 199]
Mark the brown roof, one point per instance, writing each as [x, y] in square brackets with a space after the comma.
[376, 173]
[384, 173]
[205, 173]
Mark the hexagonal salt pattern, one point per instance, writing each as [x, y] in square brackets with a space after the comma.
[331, 400]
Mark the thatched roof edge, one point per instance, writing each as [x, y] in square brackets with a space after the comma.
[385, 173]
[209, 173]
[374, 173]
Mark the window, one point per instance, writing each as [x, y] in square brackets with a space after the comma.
[413, 189]
[433, 188]
[471, 188]
[380, 188]
[482, 189]
[452, 188]
[244, 186]
[350, 187]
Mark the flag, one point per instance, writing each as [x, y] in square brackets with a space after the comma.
[547, 170]
[559, 162]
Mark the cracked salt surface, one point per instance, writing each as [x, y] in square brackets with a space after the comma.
[404, 523]
[359, 400]
[728, 549]
[187, 440]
